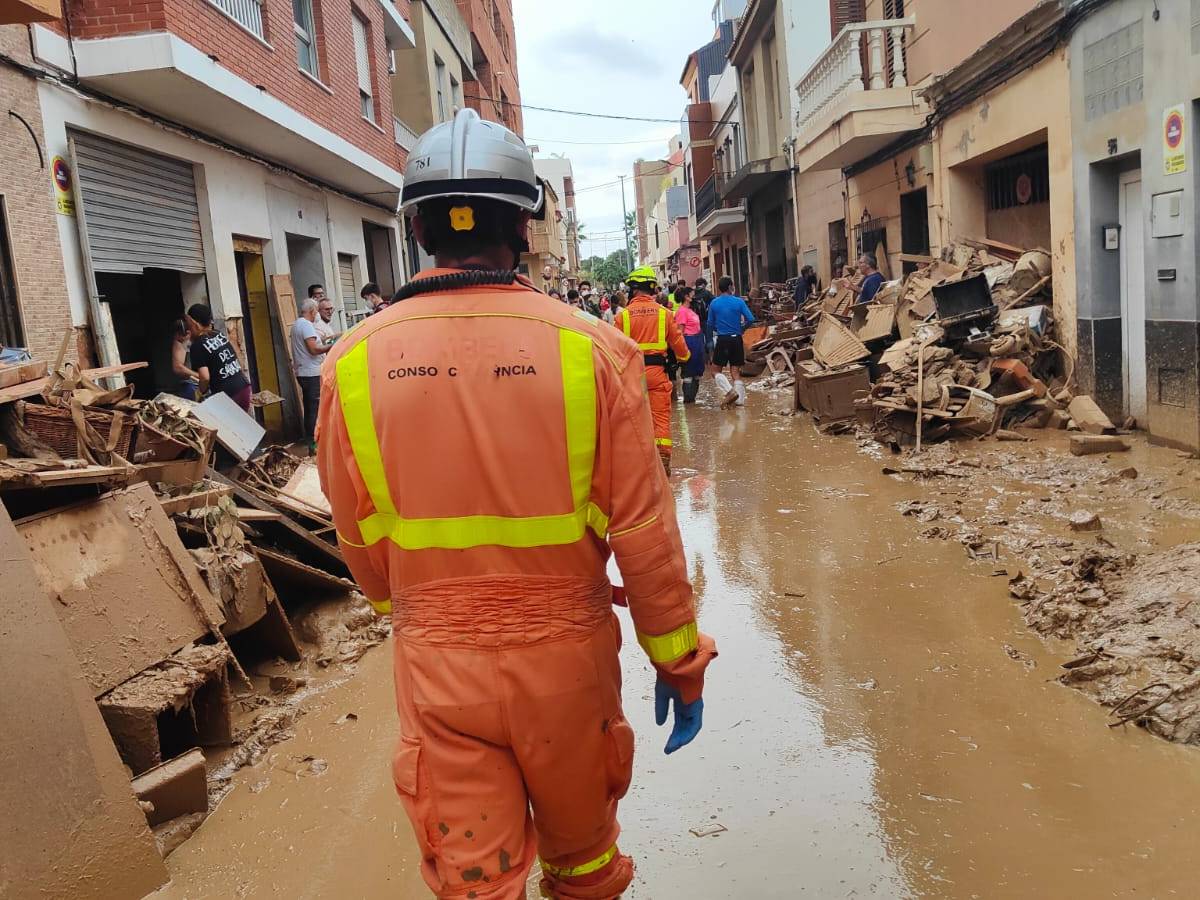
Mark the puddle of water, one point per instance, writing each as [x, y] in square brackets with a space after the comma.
[867, 730]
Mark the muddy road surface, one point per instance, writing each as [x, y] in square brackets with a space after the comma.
[880, 723]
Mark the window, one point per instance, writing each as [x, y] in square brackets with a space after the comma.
[497, 24]
[306, 36]
[362, 56]
[456, 94]
[439, 80]
[1019, 180]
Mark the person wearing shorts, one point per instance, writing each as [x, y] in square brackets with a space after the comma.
[728, 317]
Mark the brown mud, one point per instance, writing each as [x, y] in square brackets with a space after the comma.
[881, 721]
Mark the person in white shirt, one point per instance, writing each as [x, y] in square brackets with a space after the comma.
[324, 321]
[308, 349]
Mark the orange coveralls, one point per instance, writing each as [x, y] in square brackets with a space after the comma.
[653, 328]
[484, 453]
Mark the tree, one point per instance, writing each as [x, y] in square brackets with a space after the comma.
[631, 225]
[610, 271]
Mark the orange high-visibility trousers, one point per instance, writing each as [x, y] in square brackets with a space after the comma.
[658, 387]
[542, 729]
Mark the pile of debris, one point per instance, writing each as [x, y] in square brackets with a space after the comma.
[193, 574]
[963, 346]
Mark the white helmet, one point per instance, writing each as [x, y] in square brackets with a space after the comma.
[468, 157]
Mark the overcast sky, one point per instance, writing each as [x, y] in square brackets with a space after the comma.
[621, 56]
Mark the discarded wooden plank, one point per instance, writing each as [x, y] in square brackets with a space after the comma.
[35, 387]
[1089, 444]
[142, 598]
[290, 577]
[305, 487]
[175, 788]
[13, 475]
[1090, 417]
[67, 789]
[257, 515]
[288, 534]
[174, 505]
[916, 258]
[20, 373]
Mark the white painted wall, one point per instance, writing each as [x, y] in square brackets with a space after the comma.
[236, 197]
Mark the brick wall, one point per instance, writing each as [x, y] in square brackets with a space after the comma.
[334, 103]
[28, 194]
[498, 73]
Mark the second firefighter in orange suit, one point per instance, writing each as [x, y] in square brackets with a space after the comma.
[654, 330]
[486, 450]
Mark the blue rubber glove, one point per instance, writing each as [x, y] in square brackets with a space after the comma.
[688, 716]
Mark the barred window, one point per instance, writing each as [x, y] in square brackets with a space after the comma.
[1019, 180]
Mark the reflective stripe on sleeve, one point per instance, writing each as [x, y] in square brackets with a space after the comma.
[587, 868]
[669, 647]
[382, 607]
[664, 442]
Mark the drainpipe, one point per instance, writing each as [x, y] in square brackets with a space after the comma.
[789, 147]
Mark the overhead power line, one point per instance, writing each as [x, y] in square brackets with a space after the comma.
[590, 115]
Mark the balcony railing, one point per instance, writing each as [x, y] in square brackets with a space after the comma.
[247, 13]
[706, 198]
[405, 136]
[865, 56]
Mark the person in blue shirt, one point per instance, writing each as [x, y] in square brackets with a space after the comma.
[728, 317]
[868, 268]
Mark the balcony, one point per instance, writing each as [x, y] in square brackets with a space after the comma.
[855, 99]
[712, 219]
[405, 136]
[753, 177]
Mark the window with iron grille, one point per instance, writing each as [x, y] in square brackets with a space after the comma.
[1020, 180]
[869, 234]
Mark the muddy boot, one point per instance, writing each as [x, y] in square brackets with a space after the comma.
[726, 387]
[691, 387]
[739, 388]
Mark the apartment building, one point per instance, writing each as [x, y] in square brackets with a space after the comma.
[494, 92]
[229, 152]
[721, 223]
[649, 180]
[557, 171]
[763, 181]
[1134, 97]
[428, 82]
[546, 260]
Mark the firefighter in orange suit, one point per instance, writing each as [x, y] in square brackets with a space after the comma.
[485, 449]
[654, 330]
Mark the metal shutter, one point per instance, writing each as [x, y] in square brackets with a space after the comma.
[356, 308]
[139, 208]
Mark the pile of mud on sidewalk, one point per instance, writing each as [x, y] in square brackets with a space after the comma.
[1085, 544]
[194, 573]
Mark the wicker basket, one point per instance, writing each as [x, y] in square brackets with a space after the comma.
[55, 427]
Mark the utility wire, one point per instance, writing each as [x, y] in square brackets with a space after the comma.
[590, 115]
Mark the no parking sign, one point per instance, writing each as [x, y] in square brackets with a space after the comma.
[1174, 141]
[64, 198]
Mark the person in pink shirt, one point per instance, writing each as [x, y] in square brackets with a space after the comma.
[693, 333]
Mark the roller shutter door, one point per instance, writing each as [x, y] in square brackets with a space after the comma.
[140, 210]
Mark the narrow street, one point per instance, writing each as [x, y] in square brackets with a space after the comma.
[866, 731]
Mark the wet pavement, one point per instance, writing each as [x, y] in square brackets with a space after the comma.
[867, 732]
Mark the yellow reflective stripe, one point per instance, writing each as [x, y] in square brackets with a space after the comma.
[579, 412]
[657, 346]
[664, 442]
[463, 532]
[669, 647]
[383, 607]
[354, 394]
[650, 521]
[587, 868]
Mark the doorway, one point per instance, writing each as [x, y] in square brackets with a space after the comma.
[776, 271]
[838, 249]
[256, 312]
[144, 310]
[914, 226]
[1133, 294]
[11, 332]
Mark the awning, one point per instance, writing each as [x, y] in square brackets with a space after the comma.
[754, 177]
